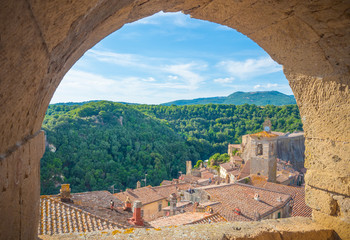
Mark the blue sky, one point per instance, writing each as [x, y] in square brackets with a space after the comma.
[170, 56]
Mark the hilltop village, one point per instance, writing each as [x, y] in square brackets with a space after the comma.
[263, 179]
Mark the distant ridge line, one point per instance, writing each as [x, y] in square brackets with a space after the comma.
[260, 98]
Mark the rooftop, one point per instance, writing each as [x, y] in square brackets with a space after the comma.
[166, 190]
[298, 194]
[57, 217]
[264, 134]
[241, 196]
[228, 166]
[245, 172]
[187, 218]
[145, 194]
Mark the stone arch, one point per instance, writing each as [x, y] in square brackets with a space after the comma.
[41, 40]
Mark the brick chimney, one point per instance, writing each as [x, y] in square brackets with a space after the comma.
[65, 193]
[127, 206]
[138, 184]
[137, 218]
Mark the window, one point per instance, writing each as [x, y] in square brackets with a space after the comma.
[259, 149]
[159, 207]
[141, 213]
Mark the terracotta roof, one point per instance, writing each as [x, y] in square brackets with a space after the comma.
[263, 134]
[216, 217]
[298, 194]
[245, 172]
[145, 194]
[98, 203]
[257, 180]
[278, 133]
[57, 217]
[234, 172]
[241, 196]
[189, 178]
[166, 182]
[228, 166]
[187, 218]
[237, 158]
[208, 175]
[166, 190]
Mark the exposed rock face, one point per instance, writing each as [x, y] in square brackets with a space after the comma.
[292, 148]
[41, 40]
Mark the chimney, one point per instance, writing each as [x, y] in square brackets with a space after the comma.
[127, 206]
[172, 204]
[188, 167]
[137, 218]
[257, 197]
[65, 193]
[138, 184]
[195, 205]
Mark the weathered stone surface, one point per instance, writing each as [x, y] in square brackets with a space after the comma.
[40, 41]
[320, 200]
[20, 190]
[329, 181]
[267, 229]
[340, 224]
[327, 155]
[24, 62]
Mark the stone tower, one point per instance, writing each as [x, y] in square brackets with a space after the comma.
[188, 167]
[263, 152]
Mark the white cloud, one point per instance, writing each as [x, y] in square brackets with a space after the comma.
[250, 67]
[82, 86]
[224, 80]
[150, 79]
[171, 77]
[271, 85]
[186, 75]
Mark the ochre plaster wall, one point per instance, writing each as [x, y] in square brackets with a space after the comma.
[150, 211]
[40, 40]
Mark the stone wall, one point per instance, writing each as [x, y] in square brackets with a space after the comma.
[41, 40]
[20, 189]
[292, 149]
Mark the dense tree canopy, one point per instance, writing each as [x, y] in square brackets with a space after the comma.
[99, 144]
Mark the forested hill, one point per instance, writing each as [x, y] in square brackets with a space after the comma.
[261, 98]
[98, 144]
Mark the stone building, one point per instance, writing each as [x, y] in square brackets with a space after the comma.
[260, 150]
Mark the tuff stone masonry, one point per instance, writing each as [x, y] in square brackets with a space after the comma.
[40, 40]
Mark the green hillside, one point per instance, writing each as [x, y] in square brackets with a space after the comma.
[239, 98]
[99, 144]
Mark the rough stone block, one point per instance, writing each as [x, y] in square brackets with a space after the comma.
[343, 206]
[329, 181]
[327, 155]
[20, 190]
[340, 225]
[320, 200]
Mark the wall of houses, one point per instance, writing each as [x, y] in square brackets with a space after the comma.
[153, 210]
